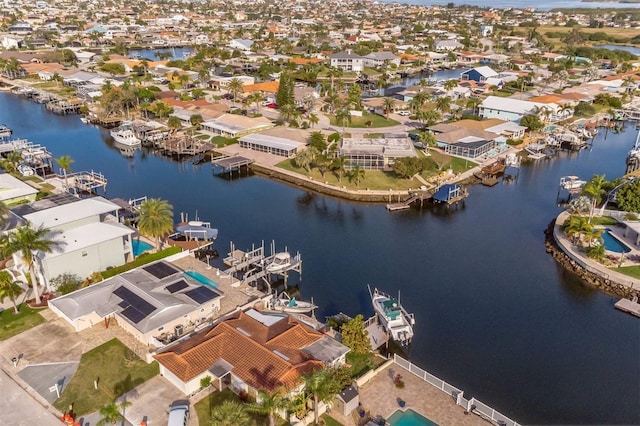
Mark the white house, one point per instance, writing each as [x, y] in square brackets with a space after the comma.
[347, 61]
[241, 44]
[11, 42]
[89, 236]
[447, 45]
[378, 59]
[510, 109]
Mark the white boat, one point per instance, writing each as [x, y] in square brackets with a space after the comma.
[5, 131]
[281, 261]
[84, 119]
[26, 170]
[124, 135]
[289, 304]
[394, 318]
[571, 183]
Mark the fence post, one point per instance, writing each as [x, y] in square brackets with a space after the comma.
[459, 398]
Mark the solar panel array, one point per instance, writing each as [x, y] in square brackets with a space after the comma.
[135, 307]
[201, 294]
[160, 270]
[177, 286]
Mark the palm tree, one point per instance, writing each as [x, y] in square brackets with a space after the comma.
[594, 189]
[577, 226]
[338, 165]
[288, 112]
[112, 412]
[313, 119]
[155, 219]
[334, 73]
[4, 215]
[356, 174]
[27, 241]
[450, 84]
[270, 404]
[64, 162]
[443, 104]
[322, 387]
[234, 86]
[10, 288]
[229, 413]
[305, 158]
[388, 104]
[343, 117]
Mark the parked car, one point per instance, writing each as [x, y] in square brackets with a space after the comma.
[272, 105]
[404, 113]
[179, 413]
[227, 96]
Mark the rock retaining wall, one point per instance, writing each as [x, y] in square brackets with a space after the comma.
[594, 279]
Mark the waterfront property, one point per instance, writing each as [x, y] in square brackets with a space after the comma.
[88, 234]
[235, 126]
[15, 191]
[270, 144]
[156, 304]
[249, 352]
[376, 153]
[464, 142]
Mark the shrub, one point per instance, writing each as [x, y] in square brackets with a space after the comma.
[205, 382]
[66, 283]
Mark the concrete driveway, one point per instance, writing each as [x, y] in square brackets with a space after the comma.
[150, 401]
[18, 408]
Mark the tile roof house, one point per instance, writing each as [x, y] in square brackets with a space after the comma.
[249, 352]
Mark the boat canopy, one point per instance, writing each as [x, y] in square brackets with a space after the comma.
[445, 192]
[196, 229]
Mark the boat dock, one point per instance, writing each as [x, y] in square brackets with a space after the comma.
[230, 163]
[450, 194]
[64, 107]
[414, 196]
[629, 306]
[252, 264]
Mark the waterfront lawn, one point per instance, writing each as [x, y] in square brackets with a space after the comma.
[221, 141]
[373, 179]
[12, 324]
[442, 161]
[118, 370]
[603, 220]
[204, 406]
[361, 122]
[327, 420]
[632, 271]
[143, 259]
[361, 363]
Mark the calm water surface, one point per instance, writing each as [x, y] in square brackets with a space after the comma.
[495, 315]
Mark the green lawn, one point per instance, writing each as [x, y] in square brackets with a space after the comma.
[632, 271]
[603, 220]
[117, 369]
[329, 421]
[204, 406]
[361, 122]
[143, 259]
[442, 162]
[12, 324]
[373, 179]
[360, 364]
[221, 141]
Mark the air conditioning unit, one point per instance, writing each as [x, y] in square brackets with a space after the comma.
[179, 329]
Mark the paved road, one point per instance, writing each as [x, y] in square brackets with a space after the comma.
[18, 408]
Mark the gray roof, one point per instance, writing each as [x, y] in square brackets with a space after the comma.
[68, 213]
[391, 146]
[326, 349]
[382, 56]
[153, 292]
[348, 394]
[345, 55]
[271, 142]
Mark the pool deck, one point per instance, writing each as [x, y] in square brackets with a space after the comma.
[379, 397]
[235, 294]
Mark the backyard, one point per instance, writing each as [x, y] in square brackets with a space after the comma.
[204, 407]
[374, 121]
[12, 324]
[116, 369]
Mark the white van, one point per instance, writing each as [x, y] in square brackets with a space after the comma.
[179, 413]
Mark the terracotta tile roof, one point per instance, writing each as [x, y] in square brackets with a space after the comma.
[305, 61]
[265, 357]
[267, 86]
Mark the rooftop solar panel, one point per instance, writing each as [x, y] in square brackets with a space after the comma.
[182, 284]
[201, 294]
[133, 315]
[133, 300]
[160, 270]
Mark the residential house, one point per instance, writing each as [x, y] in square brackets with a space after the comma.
[11, 41]
[235, 126]
[376, 153]
[510, 109]
[478, 74]
[347, 61]
[242, 44]
[14, 191]
[447, 45]
[23, 28]
[379, 59]
[464, 142]
[88, 234]
[250, 352]
[156, 303]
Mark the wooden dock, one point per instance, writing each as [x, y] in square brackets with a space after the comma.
[629, 306]
[230, 163]
[414, 196]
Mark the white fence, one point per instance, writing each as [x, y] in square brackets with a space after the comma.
[472, 405]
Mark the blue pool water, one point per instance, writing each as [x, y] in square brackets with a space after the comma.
[611, 243]
[140, 247]
[201, 279]
[409, 418]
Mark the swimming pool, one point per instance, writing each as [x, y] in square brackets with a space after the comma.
[201, 279]
[409, 418]
[612, 243]
[140, 247]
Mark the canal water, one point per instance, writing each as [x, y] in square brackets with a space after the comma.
[495, 315]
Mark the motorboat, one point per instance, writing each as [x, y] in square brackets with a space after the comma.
[289, 304]
[571, 183]
[393, 317]
[26, 170]
[281, 261]
[197, 230]
[84, 119]
[124, 135]
[5, 131]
